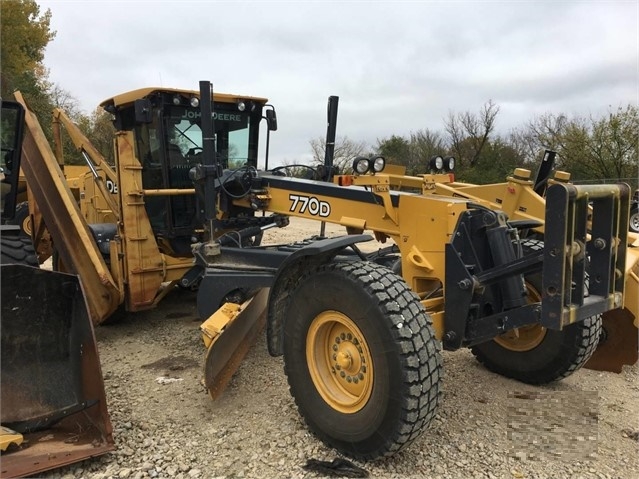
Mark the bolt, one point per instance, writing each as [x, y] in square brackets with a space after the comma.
[450, 336]
[349, 336]
[334, 347]
[337, 340]
[363, 371]
[349, 379]
[355, 341]
[342, 374]
[464, 284]
[355, 380]
[342, 336]
[334, 357]
[599, 243]
[361, 376]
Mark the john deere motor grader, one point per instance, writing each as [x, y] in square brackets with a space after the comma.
[52, 406]
[360, 333]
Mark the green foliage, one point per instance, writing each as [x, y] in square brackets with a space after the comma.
[24, 35]
[604, 149]
[498, 160]
[413, 152]
[395, 149]
[98, 127]
[593, 149]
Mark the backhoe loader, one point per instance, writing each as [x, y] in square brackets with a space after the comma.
[53, 408]
[520, 277]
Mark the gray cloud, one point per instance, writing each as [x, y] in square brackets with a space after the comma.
[397, 66]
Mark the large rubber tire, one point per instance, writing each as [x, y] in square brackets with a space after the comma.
[17, 250]
[383, 341]
[538, 355]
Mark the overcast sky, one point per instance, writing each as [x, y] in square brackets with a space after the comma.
[396, 66]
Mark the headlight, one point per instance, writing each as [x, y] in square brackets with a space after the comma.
[177, 100]
[360, 165]
[378, 163]
[195, 102]
[449, 163]
[241, 105]
[436, 163]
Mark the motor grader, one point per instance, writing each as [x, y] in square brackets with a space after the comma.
[520, 278]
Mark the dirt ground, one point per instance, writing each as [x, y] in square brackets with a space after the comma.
[488, 426]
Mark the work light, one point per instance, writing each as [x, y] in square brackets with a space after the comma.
[436, 163]
[449, 163]
[360, 165]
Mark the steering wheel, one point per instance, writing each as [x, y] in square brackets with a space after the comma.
[196, 150]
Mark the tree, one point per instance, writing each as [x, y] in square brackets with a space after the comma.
[470, 132]
[413, 152]
[24, 35]
[395, 149]
[98, 127]
[345, 150]
[497, 161]
[592, 148]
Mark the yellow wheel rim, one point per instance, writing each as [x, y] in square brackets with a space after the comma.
[339, 362]
[26, 225]
[526, 337]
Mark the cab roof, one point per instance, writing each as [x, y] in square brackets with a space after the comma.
[129, 97]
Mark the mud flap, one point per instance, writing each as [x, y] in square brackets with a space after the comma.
[51, 383]
[619, 344]
[228, 335]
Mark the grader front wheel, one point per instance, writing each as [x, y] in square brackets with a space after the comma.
[361, 358]
[339, 362]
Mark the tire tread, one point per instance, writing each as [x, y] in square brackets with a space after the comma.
[415, 341]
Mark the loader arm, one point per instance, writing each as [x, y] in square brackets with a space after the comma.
[70, 232]
[91, 155]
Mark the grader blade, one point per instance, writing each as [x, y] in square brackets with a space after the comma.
[619, 344]
[52, 392]
[228, 335]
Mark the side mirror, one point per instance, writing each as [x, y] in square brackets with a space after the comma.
[271, 120]
[143, 111]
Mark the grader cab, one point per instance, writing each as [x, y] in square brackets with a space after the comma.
[519, 278]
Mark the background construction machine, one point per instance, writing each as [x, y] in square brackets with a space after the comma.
[520, 278]
[53, 407]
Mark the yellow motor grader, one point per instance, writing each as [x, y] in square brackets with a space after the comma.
[521, 278]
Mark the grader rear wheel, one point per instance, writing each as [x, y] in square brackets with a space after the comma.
[534, 354]
[22, 218]
[361, 358]
[527, 337]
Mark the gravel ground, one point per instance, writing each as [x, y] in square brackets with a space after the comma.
[487, 426]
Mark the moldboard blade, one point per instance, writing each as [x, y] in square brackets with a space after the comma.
[227, 351]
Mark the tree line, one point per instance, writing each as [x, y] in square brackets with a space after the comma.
[25, 32]
[591, 149]
[604, 148]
